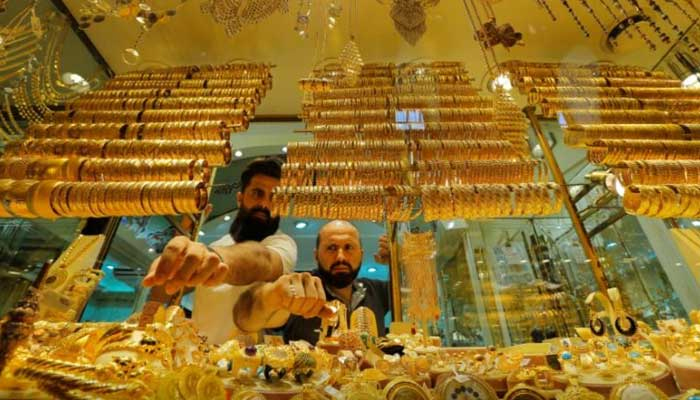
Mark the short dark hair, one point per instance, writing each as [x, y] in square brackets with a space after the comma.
[268, 166]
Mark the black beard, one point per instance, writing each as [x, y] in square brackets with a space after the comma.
[248, 227]
[340, 280]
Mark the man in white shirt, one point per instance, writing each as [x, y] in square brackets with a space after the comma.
[255, 250]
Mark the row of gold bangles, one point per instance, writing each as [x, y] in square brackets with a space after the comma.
[402, 101]
[191, 69]
[389, 115]
[437, 127]
[424, 89]
[230, 116]
[258, 73]
[458, 150]
[550, 106]
[663, 201]
[610, 152]
[346, 173]
[99, 170]
[252, 93]
[655, 172]
[162, 103]
[567, 69]
[372, 203]
[188, 84]
[538, 93]
[215, 152]
[617, 116]
[489, 200]
[189, 130]
[526, 82]
[53, 199]
[482, 171]
[307, 152]
[581, 135]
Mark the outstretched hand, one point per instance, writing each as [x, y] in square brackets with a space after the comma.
[300, 294]
[185, 263]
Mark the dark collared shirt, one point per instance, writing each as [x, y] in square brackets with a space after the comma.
[369, 293]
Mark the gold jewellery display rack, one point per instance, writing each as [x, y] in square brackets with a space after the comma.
[641, 124]
[144, 144]
[397, 134]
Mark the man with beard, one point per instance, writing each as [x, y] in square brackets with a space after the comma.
[296, 301]
[253, 251]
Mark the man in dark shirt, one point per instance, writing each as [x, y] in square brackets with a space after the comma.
[296, 301]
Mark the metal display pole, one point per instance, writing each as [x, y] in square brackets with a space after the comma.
[394, 272]
[588, 249]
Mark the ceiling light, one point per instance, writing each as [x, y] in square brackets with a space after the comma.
[300, 225]
[695, 223]
[611, 245]
[151, 250]
[238, 153]
[568, 260]
[678, 264]
[691, 81]
[371, 269]
[201, 233]
[227, 218]
[284, 149]
[111, 267]
[450, 225]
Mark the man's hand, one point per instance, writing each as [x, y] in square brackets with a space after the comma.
[383, 255]
[185, 263]
[299, 294]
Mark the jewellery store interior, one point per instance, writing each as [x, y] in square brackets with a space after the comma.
[345, 199]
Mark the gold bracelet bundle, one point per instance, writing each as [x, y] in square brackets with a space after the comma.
[347, 173]
[236, 117]
[610, 152]
[582, 135]
[126, 170]
[53, 199]
[441, 172]
[489, 200]
[163, 103]
[215, 152]
[305, 152]
[189, 130]
[651, 172]
[253, 94]
[40, 168]
[663, 201]
[459, 150]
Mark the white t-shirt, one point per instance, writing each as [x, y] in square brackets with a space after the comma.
[213, 306]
